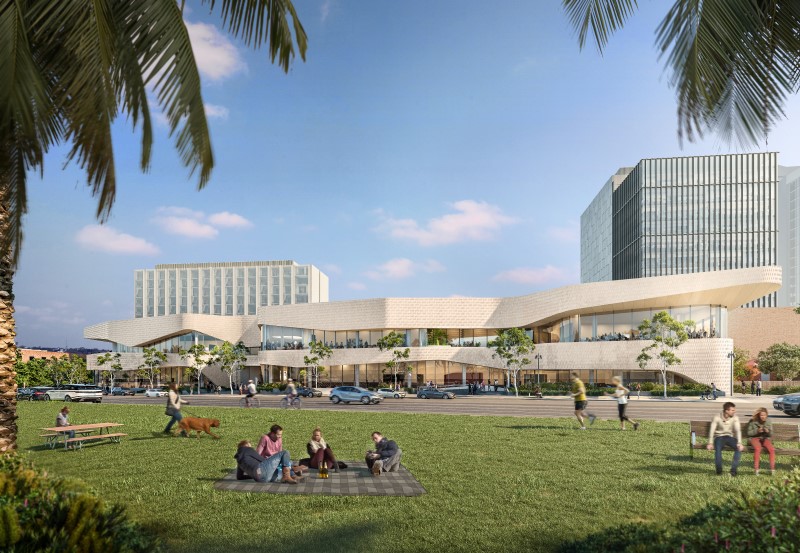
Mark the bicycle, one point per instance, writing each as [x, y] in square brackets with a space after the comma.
[295, 403]
[249, 402]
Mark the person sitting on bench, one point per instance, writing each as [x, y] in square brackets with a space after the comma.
[385, 457]
[726, 430]
[62, 420]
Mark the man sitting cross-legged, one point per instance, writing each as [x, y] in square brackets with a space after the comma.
[276, 468]
[385, 457]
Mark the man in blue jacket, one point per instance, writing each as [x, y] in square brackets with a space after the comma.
[385, 457]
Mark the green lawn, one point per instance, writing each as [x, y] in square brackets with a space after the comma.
[493, 483]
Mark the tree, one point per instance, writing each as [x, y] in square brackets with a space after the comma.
[151, 364]
[667, 335]
[33, 372]
[199, 359]
[114, 365]
[733, 64]
[782, 360]
[437, 337]
[75, 369]
[394, 341]
[67, 70]
[741, 370]
[56, 371]
[229, 357]
[511, 346]
[318, 353]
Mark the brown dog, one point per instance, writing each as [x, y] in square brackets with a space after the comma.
[198, 424]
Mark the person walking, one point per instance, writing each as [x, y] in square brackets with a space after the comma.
[758, 388]
[174, 402]
[759, 430]
[752, 387]
[638, 389]
[726, 430]
[621, 394]
[578, 394]
[713, 391]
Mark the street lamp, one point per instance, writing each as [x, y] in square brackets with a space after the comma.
[731, 356]
[538, 358]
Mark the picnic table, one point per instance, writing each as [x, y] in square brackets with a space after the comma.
[84, 433]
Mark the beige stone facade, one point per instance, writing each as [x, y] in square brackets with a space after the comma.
[754, 330]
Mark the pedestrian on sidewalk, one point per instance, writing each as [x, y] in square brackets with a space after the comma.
[752, 387]
[638, 389]
[621, 395]
[758, 388]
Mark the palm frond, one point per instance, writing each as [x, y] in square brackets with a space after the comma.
[260, 21]
[601, 18]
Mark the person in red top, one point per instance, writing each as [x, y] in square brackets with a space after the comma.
[272, 443]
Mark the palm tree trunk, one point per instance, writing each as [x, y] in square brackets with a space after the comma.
[8, 383]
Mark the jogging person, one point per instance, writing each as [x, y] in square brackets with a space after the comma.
[579, 395]
[621, 393]
[251, 392]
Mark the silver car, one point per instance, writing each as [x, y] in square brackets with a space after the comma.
[354, 393]
[789, 404]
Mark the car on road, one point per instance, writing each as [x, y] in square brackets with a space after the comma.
[435, 393]
[40, 393]
[25, 394]
[155, 392]
[388, 392]
[789, 404]
[138, 390]
[75, 392]
[118, 391]
[347, 394]
[308, 392]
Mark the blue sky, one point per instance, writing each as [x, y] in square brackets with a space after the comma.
[423, 149]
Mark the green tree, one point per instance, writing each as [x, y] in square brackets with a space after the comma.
[110, 363]
[782, 360]
[198, 359]
[68, 69]
[511, 346]
[56, 371]
[741, 371]
[395, 341]
[75, 369]
[150, 367]
[667, 335]
[437, 337]
[733, 64]
[317, 355]
[229, 358]
[33, 372]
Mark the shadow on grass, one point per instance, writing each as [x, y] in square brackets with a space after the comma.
[153, 436]
[347, 538]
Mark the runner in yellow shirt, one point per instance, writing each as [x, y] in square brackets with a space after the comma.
[579, 395]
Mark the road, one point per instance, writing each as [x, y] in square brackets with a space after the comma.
[684, 409]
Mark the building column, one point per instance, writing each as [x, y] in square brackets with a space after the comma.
[356, 375]
[463, 374]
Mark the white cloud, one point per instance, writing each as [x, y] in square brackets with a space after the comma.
[325, 10]
[473, 221]
[570, 233]
[217, 57]
[184, 226]
[106, 239]
[356, 285]
[402, 267]
[180, 211]
[214, 111]
[332, 269]
[54, 313]
[229, 220]
[541, 275]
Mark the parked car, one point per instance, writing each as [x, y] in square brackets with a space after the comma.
[138, 390]
[789, 404]
[25, 394]
[118, 391]
[75, 392]
[435, 393]
[155, 392]
[308, 392]
[388, 392]
[354, 393]
[40, 393]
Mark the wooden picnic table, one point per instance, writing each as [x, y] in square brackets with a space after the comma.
[58, 434]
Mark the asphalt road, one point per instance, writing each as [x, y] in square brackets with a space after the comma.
[680, 409]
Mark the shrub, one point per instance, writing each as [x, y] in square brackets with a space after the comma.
[764, 521]
[47, 514]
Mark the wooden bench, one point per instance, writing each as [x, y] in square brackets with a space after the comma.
[781, 432]
[77, 442]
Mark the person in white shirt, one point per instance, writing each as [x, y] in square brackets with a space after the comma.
[726, 430]
[621, 394]
[251, 392]
[63, 420]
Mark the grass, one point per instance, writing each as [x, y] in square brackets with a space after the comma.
[493, 483]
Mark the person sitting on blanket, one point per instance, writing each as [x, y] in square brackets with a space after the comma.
[385, 457]
[276, 468]
[272, 443]
[319, 451]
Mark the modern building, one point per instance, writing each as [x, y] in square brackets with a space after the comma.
[789, 235]
[670, 216]
[591, 328]
[228, 289]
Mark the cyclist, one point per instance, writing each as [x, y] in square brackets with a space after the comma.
[291, 391]
[251, 392]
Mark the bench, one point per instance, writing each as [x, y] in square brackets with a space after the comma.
[781, 432]
[77, 442]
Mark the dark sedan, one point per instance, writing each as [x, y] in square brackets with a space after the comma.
[308, 392]
[40, 393]
[25, 394]
[435, 393]
[116, 391]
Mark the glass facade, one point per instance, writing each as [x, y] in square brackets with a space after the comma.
[225, 288]
[172, 345]
[696, 214]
